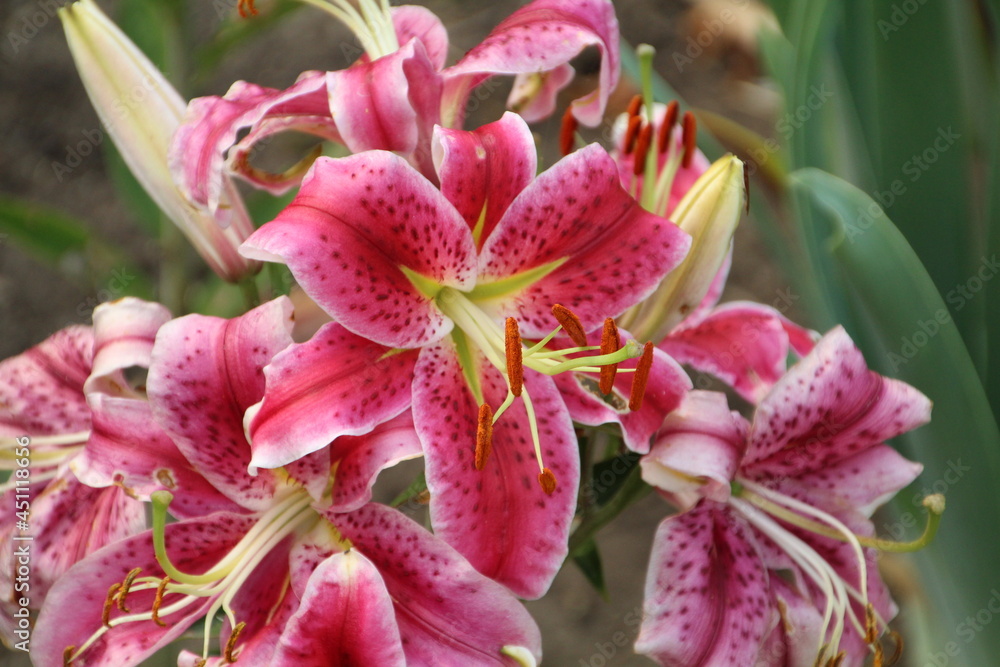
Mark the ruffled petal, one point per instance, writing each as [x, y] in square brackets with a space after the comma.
[124, 331]
[604, 251]
[538, 38]
[482, 171]
[707, 599]
[72, 612]
[744, 344]
[499, 517]
[345, 618]
[199, 148]
[206, 372]
[415, 22]
[336, 384]
[355, 222]
[533, 95]
[827, 408]
[448, 614]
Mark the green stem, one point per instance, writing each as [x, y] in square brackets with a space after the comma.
[632, 490]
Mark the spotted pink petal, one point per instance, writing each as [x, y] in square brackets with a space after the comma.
[614, 252]
[707, 601]
[499, 518]
[541, 37]
[415, 22]
[198, 152]
[827, 408]
[744, 344]
[206, 372]
[72, 611]
[124, 331]
[666, 386]
[697, 451]
[796, 635]
[388, 104]
[533, 96]
[360, 458]
[354, 223]
[127, 447]
[448, 613]
[482, 171]
[345, 617]
[41, 390]
[334, 385]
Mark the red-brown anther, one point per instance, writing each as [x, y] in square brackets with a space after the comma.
[570, 323]
[109, 603]
[667, 128]
[231, 644]
[634, 105]
[640, 378]
[642, 149]
[548, 481]
[68, 655]
[690, 137]
[515, 359]
[567, 135]
[126, 586]
[631, 134]
[158, 600]
[246, 8]
[484, 436]
[610, 343]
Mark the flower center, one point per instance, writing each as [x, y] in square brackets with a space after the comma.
[504, 348]
[179, 592]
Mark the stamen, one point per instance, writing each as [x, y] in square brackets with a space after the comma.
[231, 644]
[125, 588]
[641, 377]
[246, 8]
[631, 134]
[68, 655]
[515, 360]
[548, 481]
[666, 129]
[109, 603]
[571, 324]
[634, 105]
[567, 135]
[484, 436]
[690, 137]
[157, 601]
[898, 652]
[642, 149]
[610, 343]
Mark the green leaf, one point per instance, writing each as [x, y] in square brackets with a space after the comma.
[44, 232]
[588, 559]
[905, 330]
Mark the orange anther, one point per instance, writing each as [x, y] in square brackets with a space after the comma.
[634, 105]
[109, 603]
[690, 137]
[515, 359]
[642, 149]
[567, 135]
[158, 600]
[68, 653]
[125, 588]
[631, 134]
[548, 481]
[246, 8]
[610, 343]
[570, 323]
[669, 120]
[484, 436]
[641, 377]
[231, 644]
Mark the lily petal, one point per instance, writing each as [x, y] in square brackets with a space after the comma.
[448, 614]
[415, 22]
[499, 517]
[206, 372]
[355, 224]
[707, 601]
[124, 332]
[482, 171]
[336, 384]
[607, 253]
[827, 408]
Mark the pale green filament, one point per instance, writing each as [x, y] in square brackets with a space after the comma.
[372, 25]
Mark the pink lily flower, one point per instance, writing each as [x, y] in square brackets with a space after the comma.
[444, 283]
[298, 579]
[45, 429]
[392, 97]
[790, 492]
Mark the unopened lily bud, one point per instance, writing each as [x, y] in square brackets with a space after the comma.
[141, 111]
[709, 212]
